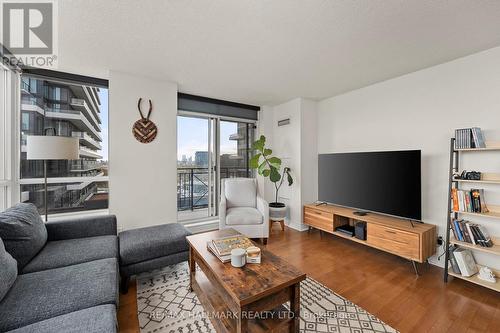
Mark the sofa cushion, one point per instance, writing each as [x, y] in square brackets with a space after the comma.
[62, 253]
[96, 319]
[143, 244]
[23, 232]
[240, 192]
[243, 216]
[8, 271]
[42, 295]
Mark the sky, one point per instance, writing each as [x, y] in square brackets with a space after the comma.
[103, 96]
[192, 136]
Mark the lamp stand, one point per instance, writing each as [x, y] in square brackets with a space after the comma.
[45, 192]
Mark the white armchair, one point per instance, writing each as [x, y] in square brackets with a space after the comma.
[243, 209]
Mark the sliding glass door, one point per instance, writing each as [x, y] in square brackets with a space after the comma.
[208, 150]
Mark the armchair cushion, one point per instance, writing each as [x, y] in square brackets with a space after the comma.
[23, 232]
[240, 192]
[243, 216]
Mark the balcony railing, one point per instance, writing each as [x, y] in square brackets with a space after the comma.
[192, 185]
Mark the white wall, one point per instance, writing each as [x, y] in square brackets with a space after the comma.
[421, 111]
[142, 179]
[297, 151]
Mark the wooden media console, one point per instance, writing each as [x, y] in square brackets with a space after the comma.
[413, 241]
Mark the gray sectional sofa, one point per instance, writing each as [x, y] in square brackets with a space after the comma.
[57, 276]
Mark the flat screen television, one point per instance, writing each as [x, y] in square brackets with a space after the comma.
[386, 182]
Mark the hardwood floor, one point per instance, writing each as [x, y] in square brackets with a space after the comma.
[382, 284]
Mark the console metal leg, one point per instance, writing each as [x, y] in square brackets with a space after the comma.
[415, 268]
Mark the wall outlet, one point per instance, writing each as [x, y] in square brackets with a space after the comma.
[440, 240]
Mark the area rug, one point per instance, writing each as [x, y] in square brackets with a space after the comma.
[165, 305]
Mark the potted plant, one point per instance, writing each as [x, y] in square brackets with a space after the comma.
[269, 166]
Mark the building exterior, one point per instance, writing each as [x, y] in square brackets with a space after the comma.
[201, 158]
[70, 110]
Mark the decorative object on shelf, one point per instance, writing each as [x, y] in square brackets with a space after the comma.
[238, 257]
[486, 274]
[270, 166]
[465, 262]
[144, 130]
[51, 147]
[468, 175]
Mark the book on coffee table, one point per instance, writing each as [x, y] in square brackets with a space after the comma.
[224, 245]
[224, 259]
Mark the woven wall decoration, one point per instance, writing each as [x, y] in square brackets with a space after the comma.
[144, 130]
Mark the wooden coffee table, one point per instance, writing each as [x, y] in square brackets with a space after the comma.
[247, 299]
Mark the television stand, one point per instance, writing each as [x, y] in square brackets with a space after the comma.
[360, 213]
[415, 242]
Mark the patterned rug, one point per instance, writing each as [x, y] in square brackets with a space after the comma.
[165, 305]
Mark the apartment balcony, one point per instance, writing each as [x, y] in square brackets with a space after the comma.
[87, 140]
[77, 118]
[30, 104]
[85, 93]
[88, 153]
[84, 166]
[236, 137]
[81, 105]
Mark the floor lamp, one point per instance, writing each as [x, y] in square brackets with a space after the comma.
[51, 148]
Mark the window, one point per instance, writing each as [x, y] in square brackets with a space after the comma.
[71, 109]
[209, 149]
[8, 98]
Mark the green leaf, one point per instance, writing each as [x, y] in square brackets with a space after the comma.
[274, 176]
[262, 167]
[275, 162]
[289, 176]
[258, 145]
[254, 161]
[267, 152]
[266, 172]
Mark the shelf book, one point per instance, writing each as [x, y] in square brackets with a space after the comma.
[464, 237]
[467, 138]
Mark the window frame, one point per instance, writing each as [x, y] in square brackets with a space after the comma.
[9, 112]
[63, 78]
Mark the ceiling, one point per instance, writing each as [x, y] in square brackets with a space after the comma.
[267, 52]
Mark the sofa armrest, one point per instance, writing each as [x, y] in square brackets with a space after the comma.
[82, 227]
[263, 208]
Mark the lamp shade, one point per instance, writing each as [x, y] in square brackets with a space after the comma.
[52, 148]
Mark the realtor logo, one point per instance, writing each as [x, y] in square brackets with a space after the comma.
[29, 31]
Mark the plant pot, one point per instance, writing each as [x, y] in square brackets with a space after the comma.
[277, 211]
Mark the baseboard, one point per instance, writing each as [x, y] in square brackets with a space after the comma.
[300, 227]
[199, 227]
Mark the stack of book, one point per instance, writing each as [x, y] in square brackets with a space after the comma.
[468, 232]
[222, 247]
[472, 201]
[466, 138]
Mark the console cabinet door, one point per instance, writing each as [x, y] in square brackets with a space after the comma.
[396, 241]
[318, 219]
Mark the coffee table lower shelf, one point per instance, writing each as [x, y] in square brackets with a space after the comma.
[223, 320]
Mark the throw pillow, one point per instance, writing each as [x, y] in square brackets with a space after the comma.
[23, 232]
[8, 271]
